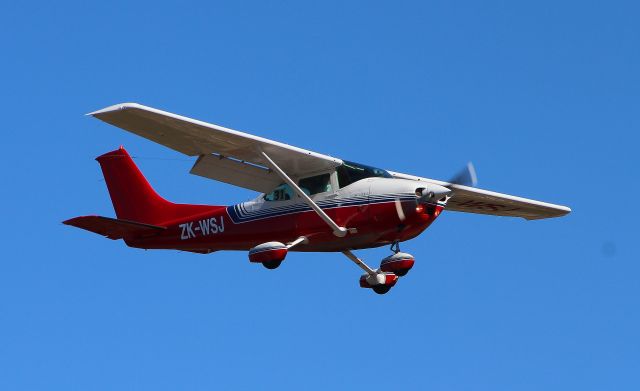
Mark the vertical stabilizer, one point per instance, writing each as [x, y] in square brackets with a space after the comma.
[133, 197]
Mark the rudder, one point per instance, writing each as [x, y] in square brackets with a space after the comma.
[133, 197]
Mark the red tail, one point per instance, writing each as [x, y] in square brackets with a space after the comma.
[133, 197]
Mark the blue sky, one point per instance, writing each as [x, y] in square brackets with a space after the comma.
[542, 96]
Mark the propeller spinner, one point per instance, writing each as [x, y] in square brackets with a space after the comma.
[432, 192]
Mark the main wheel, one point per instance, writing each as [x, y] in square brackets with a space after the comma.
[381, 289]
[271, 264]
[401, 273]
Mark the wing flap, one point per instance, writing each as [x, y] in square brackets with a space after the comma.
[114, 228]
[236, 172]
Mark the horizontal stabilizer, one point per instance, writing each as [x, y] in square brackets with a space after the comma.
[114, 228]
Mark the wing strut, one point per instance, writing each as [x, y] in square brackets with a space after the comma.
[360, 263]
[337, 230]
[373, 278]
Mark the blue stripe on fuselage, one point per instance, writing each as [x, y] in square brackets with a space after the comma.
[239, 214]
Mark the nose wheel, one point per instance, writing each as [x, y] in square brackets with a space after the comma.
[399, 263]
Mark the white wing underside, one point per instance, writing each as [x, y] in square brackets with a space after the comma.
[225, 155]
[234, 157]
[474, 200]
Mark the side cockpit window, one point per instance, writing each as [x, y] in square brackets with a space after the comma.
[316, 184]
[281, 193]
[350, 172]
[311, 185]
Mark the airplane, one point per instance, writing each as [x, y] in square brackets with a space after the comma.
[308, 202]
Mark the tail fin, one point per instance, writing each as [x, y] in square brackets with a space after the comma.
[133, 197]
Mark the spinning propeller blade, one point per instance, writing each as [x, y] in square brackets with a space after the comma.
[430, 194]
[466, 177]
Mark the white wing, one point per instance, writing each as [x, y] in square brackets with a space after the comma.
[224, 154]
[474, 200]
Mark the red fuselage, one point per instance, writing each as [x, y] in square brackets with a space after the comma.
[376, 211]
[376, 223]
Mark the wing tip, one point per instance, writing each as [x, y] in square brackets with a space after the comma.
[558, 211]
[116, 107]
[565, 211]
[562, 210]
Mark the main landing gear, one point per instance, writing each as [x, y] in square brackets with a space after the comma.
[391, 268]
[271, 254]
[381, 280]
[271, 264]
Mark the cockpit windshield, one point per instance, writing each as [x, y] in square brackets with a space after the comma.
[350, 172]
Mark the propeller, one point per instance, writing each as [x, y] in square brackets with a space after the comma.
[466, 177]
[432, 193]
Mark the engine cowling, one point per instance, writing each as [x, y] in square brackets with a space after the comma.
[399, 264]
[270, 252]
[430, 193]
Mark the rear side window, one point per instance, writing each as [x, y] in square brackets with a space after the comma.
[316, 184]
